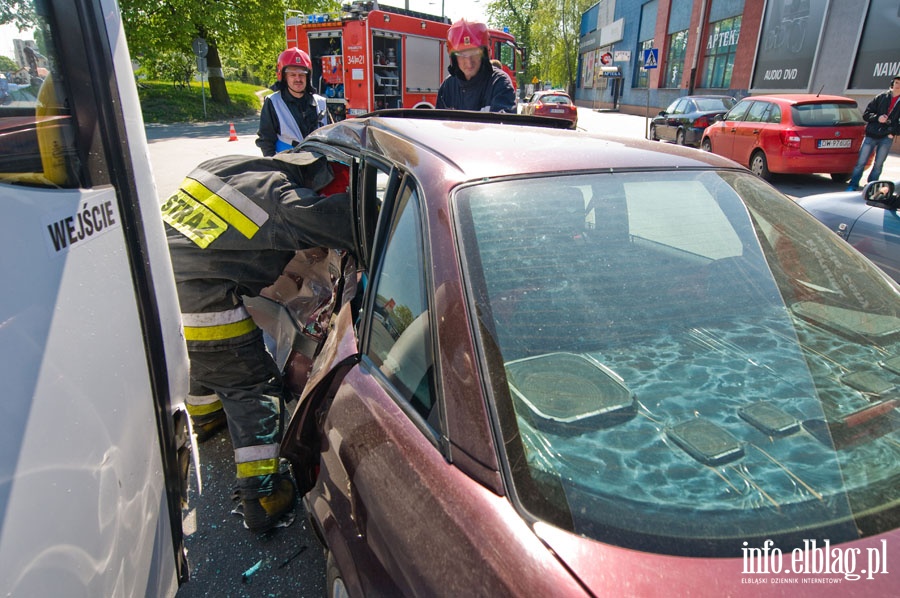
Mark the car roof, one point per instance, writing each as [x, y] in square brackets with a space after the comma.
[485, 145]
[801, 98]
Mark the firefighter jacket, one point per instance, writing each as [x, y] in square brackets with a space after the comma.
[236, 221]
[489, 91]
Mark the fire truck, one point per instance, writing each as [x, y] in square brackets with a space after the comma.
[369, 57]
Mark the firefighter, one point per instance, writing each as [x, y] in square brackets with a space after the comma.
[474, 83]
[294, 110]
[232, 226]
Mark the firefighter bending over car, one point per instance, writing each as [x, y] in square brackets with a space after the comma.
[232, 226]
[294, 110]
[474, 83]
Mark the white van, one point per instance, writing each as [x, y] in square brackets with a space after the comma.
[93, 368]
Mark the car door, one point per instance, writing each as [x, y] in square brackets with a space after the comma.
[876, 234]
[747, 132]
[94, 367]
[670, 123]
[723, 141]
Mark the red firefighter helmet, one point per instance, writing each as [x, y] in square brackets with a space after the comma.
[465, 35]
[293, 57]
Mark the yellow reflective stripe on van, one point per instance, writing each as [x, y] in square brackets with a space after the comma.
[192, 219]
[231, 214]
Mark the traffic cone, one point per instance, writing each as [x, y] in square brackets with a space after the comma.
[233, 133]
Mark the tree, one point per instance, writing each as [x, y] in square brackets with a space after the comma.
[549, 33]
[253, 29]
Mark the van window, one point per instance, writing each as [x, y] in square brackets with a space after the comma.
[37, 132]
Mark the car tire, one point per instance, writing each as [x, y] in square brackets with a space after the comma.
[653, 136]
[840, 177]
[705, 145]
[759, 165]
[334, 583]
[679, 137]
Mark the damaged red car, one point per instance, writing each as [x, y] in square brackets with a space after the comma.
[603, 368]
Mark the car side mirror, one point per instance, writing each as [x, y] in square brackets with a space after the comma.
[718, 118]
[661, 113]
[880, 192]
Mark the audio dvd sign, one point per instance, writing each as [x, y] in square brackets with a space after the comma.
[787, 44]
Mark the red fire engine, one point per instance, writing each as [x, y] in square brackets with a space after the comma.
[369, 57]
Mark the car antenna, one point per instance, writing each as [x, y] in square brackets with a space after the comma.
[820, 90]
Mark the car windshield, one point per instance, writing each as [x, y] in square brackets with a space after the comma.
[713, 104]
[682, 360]
[826, 115]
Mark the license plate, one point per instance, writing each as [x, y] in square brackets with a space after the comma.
[557, 111]
[833, 143]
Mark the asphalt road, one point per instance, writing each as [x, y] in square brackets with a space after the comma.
[226, 559]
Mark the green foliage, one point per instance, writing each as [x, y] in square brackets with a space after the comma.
[161, 102]
[7, 64]
[248, 34]
[547, 31]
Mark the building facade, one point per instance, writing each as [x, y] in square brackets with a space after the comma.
[638, 56]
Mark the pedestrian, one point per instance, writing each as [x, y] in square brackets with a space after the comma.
[294, 110]
[474, 83]
[882, 118]
[232, 226]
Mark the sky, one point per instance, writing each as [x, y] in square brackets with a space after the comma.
[7, 34]
[455, 9]
[471, 10]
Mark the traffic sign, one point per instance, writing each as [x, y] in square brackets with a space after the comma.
[651, 58]
[200, 47]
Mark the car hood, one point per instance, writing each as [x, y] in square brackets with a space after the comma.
[833, 209]
[611, 570]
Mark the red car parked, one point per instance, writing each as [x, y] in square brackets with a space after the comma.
[790, 133]
[554, 103]
[606, 368]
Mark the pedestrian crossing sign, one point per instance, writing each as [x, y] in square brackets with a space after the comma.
[651, 58]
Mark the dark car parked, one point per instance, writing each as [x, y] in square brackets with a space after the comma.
[601, 368]
[868, 220]
[685, 119]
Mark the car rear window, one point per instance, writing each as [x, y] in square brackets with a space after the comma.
[826, 115]
[713, 104]
[555, 99]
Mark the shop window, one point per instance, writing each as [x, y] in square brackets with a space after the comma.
[642, 75]
[721, 48]
[675, 53]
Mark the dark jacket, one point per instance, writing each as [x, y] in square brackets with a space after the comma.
[490, 90]
[238, 220]
[879, 105]
[304, 110]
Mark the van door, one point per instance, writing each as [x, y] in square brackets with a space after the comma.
[94, 368]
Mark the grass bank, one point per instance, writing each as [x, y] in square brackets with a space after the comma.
[162, 102]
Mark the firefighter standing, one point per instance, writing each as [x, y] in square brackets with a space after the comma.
[232, 226]
[294, 110]
[474, 83]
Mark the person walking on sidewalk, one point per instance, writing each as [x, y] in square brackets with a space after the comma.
[294, 110]
[882, 118]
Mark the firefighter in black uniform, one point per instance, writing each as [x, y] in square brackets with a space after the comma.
[232, 226]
